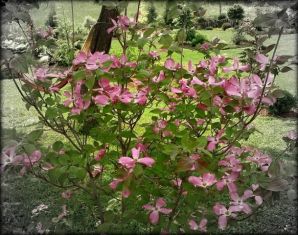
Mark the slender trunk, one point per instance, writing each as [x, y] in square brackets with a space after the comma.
[99, 39]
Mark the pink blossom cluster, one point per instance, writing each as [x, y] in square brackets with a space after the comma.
[108, 93]
[76, 98]
[123, 23]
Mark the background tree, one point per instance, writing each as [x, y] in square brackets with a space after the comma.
[168, 18]
[98, 38]
[152, 14]
[235, 14]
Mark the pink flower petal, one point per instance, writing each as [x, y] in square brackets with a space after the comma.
[195, 181]
[114, 183]
[193, 225]
[135, 153]
[149, 207]
[160, 202]
[127, 162]
[147, 161]
[258, 200]
[262, 59]
[219, 209]
[154, 217]
[222, 222]
[165, 210]
[203, 224]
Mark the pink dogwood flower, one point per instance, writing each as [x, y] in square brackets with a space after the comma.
[191, 69]
[204, 181]
[196, 81]
[258, 198]
[41, 74]
[100, 154]
[224, 214]
[81, 58]
[97, 169]
[155, 210]
[213, 141]
[205, 46]
[141, 97]
[221, 103]
[171, 65]
[123, 22]
[154, 55]
[238, 202]
[160, 125]
[66, 194]
[32, 159]
[9, 156]
[262, 160]
[101, 100]
[159, 78]
[202, 226]
[130, 162]
[97, 60]
[262, 60]
[113, 185]
[231, 163]
[229, 181]
[236, 67]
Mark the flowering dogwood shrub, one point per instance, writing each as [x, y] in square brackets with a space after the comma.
[160, 137]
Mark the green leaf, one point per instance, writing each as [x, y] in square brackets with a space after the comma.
[165, 40]
[50, 101]
[77, 172]
[141, 42]
[138, 170]
[282, 59]
[278, 93]
[58, 174]
[286, 69]
[90, 82]
[34, 135]
[51, 113]
[127, 134]
[268, 48]
[171, 149]
[143, 74]
[57, 146]
[79, 75]
[276, 185]
[181, 35]
[201, 142]
[29, 148]
[148, 32]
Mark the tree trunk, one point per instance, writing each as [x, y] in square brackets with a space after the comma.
[98, 38]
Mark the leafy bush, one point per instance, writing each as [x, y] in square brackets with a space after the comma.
[198, 39]
[185, 17]
[182, 161]
[236, 13]
[222, 17]
[152, 14]
[284, 104]
[226, 26]
[190, 35]
[238, 38]
[63, 54]
[209, 28]
[52, 19]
